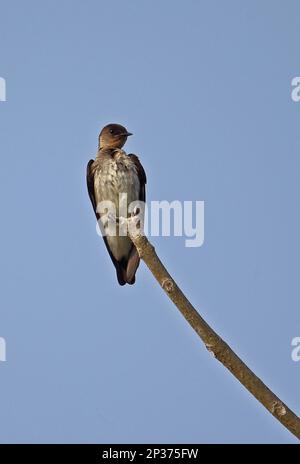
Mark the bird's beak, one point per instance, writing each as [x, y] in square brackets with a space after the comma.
[127, 134]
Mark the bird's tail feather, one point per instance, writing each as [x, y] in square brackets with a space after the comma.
[128, 267]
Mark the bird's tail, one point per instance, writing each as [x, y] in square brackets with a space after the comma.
[128, 267]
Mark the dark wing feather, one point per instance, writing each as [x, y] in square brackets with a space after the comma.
[91, 191]
[134, 260]
[90, 186]
[141, 175]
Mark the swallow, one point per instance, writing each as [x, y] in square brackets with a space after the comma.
[110, 175]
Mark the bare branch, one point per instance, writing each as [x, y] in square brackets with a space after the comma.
[213, 342]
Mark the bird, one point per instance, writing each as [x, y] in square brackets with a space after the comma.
[109, 176]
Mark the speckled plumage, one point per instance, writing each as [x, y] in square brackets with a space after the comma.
[115, 173]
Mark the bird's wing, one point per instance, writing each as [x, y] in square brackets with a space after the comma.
[91, 191]
[141, 175]
[134, 259]
[90, 186]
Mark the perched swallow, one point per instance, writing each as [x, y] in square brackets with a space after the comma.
[110, 175]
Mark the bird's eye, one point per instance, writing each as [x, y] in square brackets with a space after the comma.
[111, 131]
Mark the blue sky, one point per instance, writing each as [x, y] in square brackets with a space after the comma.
[205, 86]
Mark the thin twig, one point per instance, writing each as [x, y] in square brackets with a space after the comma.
[212, 341]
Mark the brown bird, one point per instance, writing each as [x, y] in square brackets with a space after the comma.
[112, 174]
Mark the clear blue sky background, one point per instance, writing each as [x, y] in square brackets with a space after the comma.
[205, 87]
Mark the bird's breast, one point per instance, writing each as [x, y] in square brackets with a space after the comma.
[117, 179]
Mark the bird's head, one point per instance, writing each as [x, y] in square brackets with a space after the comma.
[113, 136]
